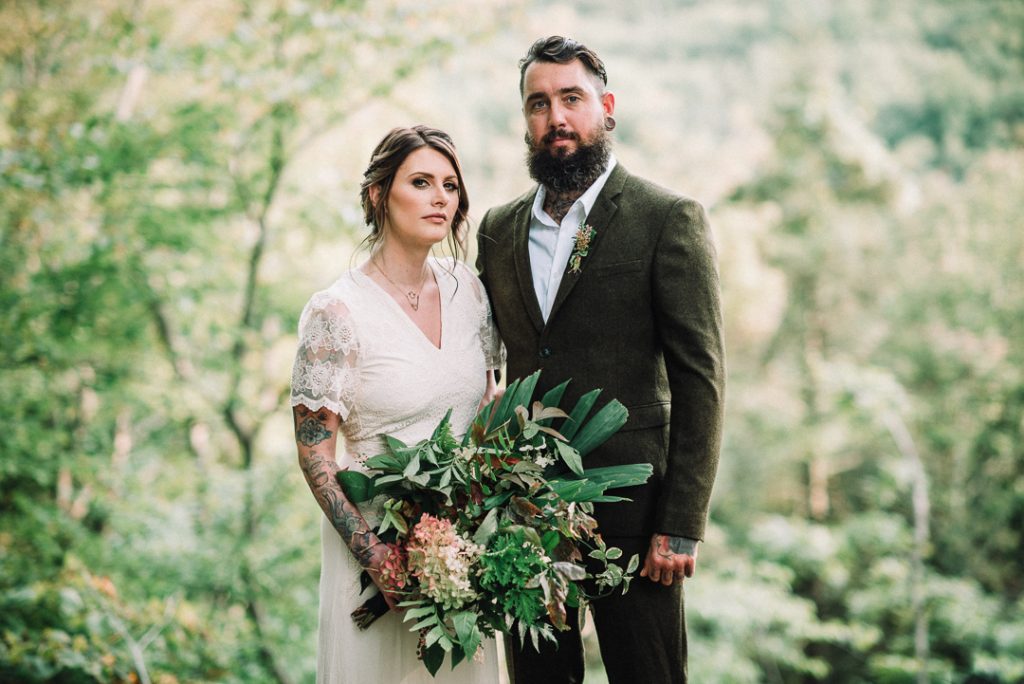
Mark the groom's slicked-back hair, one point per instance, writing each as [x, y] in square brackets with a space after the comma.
[561, 50]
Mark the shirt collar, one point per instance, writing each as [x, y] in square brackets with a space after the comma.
[586, 200]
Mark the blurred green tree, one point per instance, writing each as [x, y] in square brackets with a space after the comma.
[146, 155]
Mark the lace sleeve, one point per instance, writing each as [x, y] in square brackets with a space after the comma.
[490, 340]
[325, 371]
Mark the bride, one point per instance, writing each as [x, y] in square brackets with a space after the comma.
[388, 349]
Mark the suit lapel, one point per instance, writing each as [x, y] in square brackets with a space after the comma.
[521, 257]
[600, 219]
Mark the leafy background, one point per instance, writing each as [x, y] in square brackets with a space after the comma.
[177, 177]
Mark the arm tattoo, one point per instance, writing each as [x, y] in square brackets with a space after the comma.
[343, 514]
[350, 525]
[320, 471]
[315, 477]
[311, 432]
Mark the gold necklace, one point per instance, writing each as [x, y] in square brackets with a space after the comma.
[412, 295]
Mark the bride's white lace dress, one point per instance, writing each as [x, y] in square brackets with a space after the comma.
[362, 357]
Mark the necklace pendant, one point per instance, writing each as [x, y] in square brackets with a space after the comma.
[414, 300]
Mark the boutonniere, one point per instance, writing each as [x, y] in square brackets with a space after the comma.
[581, 246]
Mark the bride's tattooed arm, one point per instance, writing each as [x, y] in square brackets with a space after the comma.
[316, 435]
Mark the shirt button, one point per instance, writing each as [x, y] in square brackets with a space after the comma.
[545, 352]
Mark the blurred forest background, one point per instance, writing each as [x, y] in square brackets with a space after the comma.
[178, 176]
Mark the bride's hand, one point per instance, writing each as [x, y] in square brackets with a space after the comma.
[378, 554]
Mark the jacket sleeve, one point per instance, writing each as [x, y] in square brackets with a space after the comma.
[687, 308]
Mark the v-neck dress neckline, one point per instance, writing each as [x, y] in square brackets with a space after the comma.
[397, 309]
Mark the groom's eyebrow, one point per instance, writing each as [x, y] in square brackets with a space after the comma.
[574, 89]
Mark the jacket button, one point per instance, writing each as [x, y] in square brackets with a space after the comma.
[545, 352]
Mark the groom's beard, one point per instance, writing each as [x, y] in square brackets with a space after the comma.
[569, 173]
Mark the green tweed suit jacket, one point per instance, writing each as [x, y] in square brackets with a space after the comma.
[641, 320]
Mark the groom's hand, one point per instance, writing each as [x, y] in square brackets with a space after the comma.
[492, 393]
[670, 559]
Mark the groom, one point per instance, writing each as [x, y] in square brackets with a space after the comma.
[605, 278]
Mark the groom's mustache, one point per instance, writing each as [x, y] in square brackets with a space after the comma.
[559, 134]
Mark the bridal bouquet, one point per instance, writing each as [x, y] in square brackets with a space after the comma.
[489, 533]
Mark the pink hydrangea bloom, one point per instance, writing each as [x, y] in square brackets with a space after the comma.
[443, 561]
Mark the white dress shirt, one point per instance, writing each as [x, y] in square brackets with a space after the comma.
[552, 243]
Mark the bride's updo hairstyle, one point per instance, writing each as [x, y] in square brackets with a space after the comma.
[387, 157]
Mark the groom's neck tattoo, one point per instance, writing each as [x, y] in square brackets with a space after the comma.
[557, 204]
